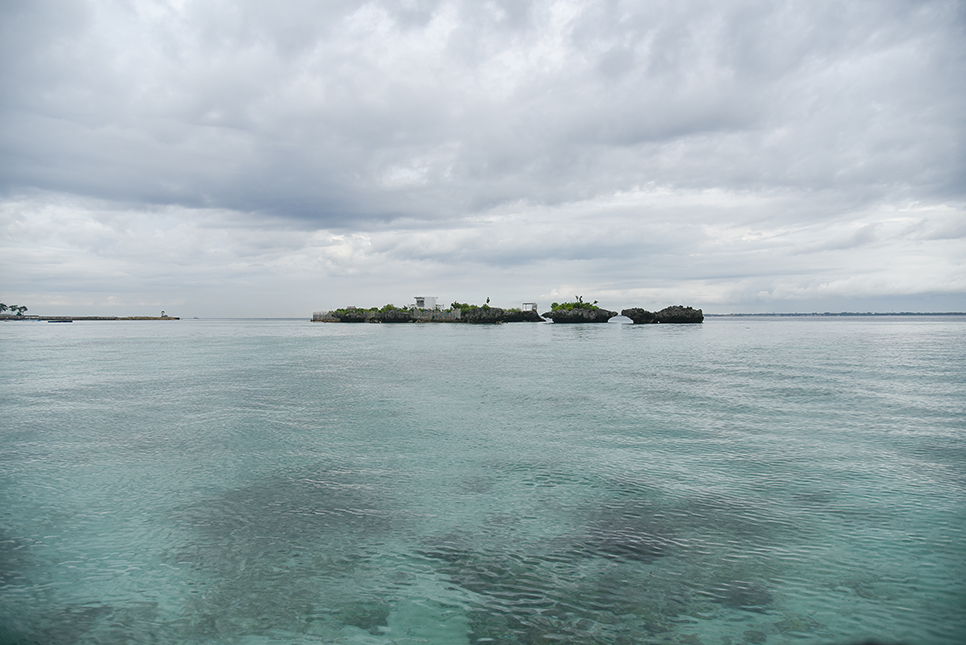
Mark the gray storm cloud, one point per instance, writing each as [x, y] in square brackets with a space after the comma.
[382, 144]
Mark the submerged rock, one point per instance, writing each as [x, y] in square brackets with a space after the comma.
[625, 543]
[748, 596]
[580, 315]
[370, 616]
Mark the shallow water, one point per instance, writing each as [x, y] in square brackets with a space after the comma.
[748, 480]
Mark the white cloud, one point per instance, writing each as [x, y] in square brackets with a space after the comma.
[646, 248]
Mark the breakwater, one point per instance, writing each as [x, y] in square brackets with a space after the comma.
[76, 318]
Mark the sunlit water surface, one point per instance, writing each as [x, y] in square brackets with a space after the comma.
[746, 480]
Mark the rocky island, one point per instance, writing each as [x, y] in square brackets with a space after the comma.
[583, 312]
[596, 315]
[672, 314]
[575, 312]
[578, 311]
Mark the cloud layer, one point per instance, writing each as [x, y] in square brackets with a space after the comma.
[752, 156]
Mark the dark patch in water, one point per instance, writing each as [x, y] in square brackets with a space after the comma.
[260, 554]
[747, 596]
[547, 591]
[13, 560]
[797, 624]
[476, 485]
[863, 588]
[624, 530]
[453, 548]
[291, 508]
[631, 543]
[370, 616]
[63, 626]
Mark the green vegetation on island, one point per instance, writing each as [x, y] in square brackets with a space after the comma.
[578, 311]
[465, 306]
[578, 303]
[383, 309]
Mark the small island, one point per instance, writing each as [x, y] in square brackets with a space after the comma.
[427, 311]
[584, 312]
[578, 311]
[674, 314]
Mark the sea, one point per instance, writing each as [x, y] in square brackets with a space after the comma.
[746, 480]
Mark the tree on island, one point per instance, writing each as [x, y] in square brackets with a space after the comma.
[18, 309]
[3, 307]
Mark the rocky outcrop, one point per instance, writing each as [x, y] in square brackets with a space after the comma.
[352, 315]
[680, 314]
[481, 316]
[392, 316]
[640, 316]
[673, 314]
[521, 316]
[580, 315]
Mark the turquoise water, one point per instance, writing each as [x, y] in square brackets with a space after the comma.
[747, 480]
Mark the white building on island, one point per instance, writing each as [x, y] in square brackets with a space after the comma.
[426, 302]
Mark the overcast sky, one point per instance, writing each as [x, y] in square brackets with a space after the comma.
[272, 159]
